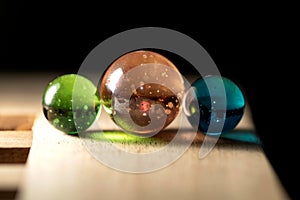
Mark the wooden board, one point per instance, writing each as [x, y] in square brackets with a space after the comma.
[19, 105]
[59, 166]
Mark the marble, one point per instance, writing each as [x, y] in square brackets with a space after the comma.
[71, 103]
[142, 92]
[204, 111]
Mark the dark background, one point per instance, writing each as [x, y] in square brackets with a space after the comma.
[254, 45]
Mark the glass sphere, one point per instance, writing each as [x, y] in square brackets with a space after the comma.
[71, 103]
[142, 92]
[202, 111]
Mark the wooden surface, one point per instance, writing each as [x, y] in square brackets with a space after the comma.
[60, 167]
[19, 105]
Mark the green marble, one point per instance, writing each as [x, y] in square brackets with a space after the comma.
[71, 103]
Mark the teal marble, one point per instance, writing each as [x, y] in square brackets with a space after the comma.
[71, 103]
[202, 110]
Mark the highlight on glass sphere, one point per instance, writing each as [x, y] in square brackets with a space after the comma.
[202, 105]
[71, 103]
[142, 92]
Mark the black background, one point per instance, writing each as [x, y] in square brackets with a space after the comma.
[254, 45]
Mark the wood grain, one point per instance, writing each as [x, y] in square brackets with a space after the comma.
[13, 155]
[60, 167]
[15, 139]
[14, 146]
[16, 122]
